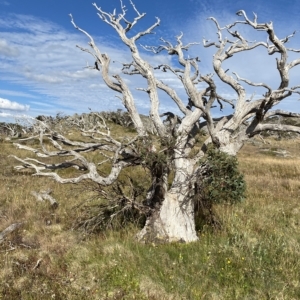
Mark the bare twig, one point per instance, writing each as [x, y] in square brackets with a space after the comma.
[37, 265]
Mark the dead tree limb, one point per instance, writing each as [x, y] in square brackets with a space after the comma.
[8, 230]
[44, 196]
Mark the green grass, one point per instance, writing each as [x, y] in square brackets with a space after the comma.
[255, 256]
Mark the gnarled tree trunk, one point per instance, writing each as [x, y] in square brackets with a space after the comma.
[174, 219]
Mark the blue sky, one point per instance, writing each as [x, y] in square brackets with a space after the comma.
[42, 72]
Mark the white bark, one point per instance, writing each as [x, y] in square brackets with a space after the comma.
[8, 230]
[45, 196]
[174, 221]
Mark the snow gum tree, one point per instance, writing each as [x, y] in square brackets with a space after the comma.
[175, 151]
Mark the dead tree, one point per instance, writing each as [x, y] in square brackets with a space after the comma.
[11, 130]
[172, 207]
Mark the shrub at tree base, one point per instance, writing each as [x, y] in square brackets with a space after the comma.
[221, 182]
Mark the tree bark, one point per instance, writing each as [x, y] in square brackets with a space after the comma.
[173, 220]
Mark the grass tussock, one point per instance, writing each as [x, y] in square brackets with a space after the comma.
[255, 255]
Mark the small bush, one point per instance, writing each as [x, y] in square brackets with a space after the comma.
[119, 117]
[219, 181]
[114, 207]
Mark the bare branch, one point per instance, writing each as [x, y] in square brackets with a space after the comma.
[172, 93]
[275, 127]
[8, 230]
[103, 60]
[293, 63]
[37, 265]
[219, 32]
[206, 43]
[91, 175]
[148, 31]
[231, 102]
[252, 83]
[283, 113]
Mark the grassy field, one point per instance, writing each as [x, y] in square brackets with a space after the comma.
[255, 256]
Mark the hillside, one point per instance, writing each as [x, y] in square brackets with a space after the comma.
[254, 256]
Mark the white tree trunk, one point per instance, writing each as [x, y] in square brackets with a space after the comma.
[229, 145]
[174, 220]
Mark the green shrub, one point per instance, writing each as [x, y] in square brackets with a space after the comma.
[219, 181]
[223, 181]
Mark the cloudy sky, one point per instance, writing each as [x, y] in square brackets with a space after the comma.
[42, 72]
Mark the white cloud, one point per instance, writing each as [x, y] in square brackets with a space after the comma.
[4, 115]
[43, 78]
[7, 50]
[16, 93]
[28, 23]
[97, 86]
[11, 105]
[51, 65]
[41, 104]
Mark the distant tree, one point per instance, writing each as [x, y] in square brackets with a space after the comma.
[11, 130]
[173, 157]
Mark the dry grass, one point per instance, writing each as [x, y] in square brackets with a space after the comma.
[255, 256]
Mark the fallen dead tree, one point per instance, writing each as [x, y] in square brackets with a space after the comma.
[45, 196]
[8, 230]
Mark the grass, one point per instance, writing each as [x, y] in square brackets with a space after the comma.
[255, 255]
